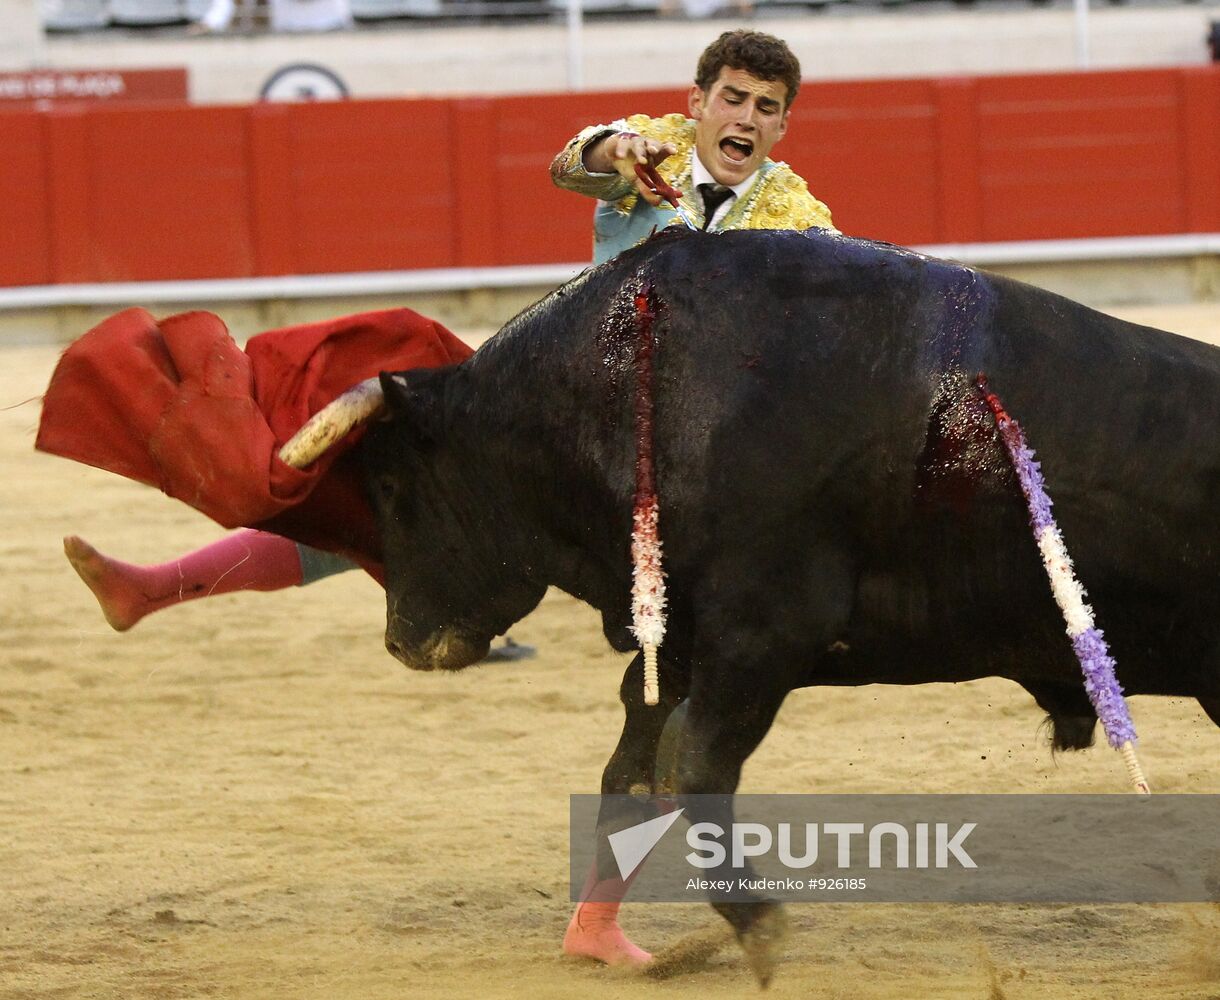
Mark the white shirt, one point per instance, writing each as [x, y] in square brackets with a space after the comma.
[699, 174]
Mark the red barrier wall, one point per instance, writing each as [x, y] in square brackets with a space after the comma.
[172, 191]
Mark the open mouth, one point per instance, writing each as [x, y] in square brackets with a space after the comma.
[738, 150]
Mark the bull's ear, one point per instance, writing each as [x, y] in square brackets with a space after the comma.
[397, 390]
[413, 402]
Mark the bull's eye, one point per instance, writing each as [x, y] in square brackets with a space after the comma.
[386, 486]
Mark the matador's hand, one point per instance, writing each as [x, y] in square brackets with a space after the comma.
[624, 150]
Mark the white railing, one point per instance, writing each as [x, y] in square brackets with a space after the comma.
[382, 283]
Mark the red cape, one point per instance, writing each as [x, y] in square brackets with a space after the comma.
[176, 404]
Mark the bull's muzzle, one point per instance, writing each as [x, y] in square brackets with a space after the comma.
[446, 649]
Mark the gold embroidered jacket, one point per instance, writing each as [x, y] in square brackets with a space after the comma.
[778, 198]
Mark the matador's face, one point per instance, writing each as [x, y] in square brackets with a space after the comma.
[737, 121]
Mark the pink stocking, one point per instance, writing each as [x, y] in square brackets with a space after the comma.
[593, 931]
[244, 560]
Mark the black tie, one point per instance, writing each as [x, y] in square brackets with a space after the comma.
[713, 197]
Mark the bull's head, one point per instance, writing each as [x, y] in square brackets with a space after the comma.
[452, 581]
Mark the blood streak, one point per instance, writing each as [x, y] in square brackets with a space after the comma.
[645, 481]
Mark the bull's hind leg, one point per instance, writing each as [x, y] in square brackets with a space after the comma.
[593, 931]
[1212, 707]
[730, 709]
[632, 767]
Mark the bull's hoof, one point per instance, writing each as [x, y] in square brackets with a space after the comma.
[764, 941]
[591, 936]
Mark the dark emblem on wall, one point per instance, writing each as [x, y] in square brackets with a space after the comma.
[303, 82]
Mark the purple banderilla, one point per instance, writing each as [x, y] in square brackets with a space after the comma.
[1100, 683]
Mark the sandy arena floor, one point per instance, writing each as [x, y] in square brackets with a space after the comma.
[247, 797]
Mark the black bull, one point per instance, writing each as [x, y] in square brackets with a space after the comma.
[836, 507]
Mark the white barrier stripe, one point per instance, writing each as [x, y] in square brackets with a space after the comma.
[292, 286]
[1068, 251]
[446, 279]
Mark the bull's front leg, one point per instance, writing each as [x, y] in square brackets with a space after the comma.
[593, 931]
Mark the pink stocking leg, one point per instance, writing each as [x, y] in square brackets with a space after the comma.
[244, 560]
[593, 931]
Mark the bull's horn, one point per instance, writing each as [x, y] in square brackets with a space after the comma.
[360, 403]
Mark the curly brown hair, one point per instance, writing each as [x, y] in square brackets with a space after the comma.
[759, 54]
